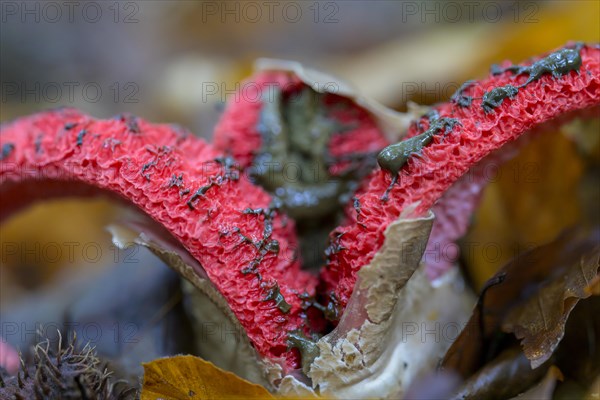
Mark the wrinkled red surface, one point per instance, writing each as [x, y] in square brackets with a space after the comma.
[427, 177]
[152, 167]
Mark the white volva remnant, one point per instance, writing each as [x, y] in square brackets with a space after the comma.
[370, 354]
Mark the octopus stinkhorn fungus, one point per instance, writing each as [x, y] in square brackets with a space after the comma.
[290, 160]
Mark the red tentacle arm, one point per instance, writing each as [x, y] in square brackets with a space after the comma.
[184, 185]
[432, 179]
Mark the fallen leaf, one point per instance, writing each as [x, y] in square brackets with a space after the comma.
[507, 375]
[189, 377]
[571, 258]
[540, 321]
[544, 389]
[466, 355]
[434, 61]
[578, 355]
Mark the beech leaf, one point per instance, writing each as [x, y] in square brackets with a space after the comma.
[540, 321]
[544, 389]
[189, 377]
[531, 297]
[506, 376]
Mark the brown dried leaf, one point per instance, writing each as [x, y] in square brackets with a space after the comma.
[540, 321]
[507, 375]
[578, 354]
[189, 377]
[571, 259]
[545, 389]
[465, 355]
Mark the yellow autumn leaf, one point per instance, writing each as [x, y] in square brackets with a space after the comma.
[189, 377]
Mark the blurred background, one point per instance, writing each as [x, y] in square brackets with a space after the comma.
[177, 61]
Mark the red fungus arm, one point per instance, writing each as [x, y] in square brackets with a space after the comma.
[427, 177]
[176, 179]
